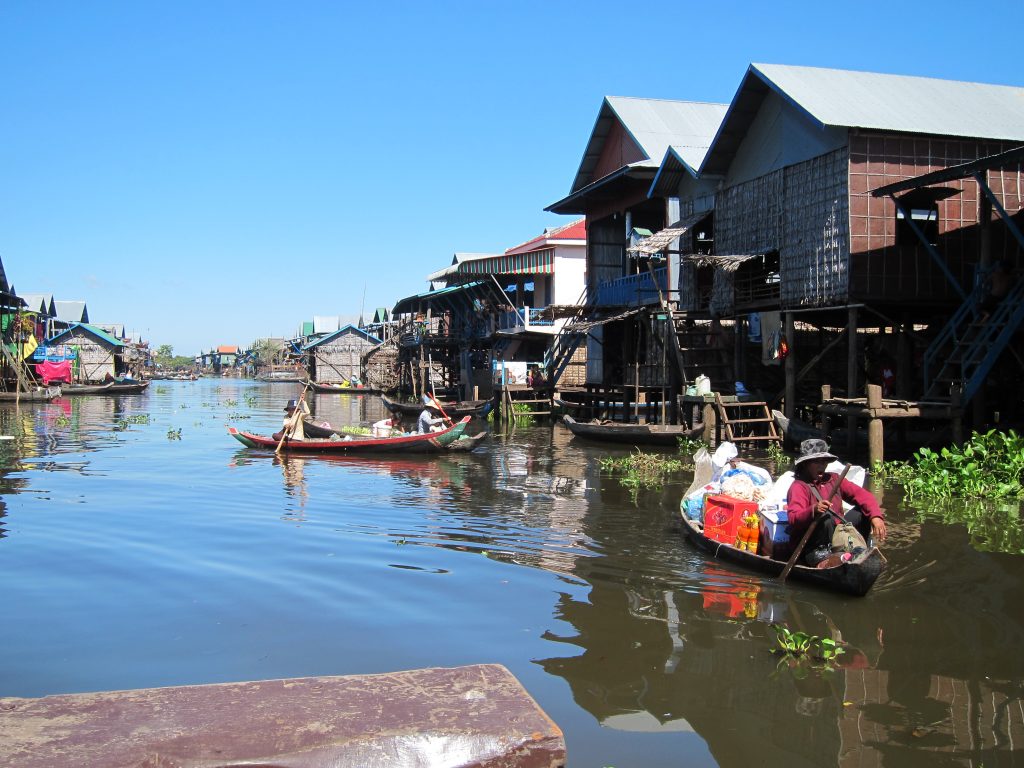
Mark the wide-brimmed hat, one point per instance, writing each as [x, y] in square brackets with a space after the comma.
[429, 402]
[814, 449]
[292, 405]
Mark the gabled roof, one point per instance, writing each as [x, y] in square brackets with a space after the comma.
[71, 311]
[99, 333]
[227, 349]
[655, 125]
[574, 233]
[39, 302]
[340, 332]
[381, 315]
[874, 101]
[114, 329]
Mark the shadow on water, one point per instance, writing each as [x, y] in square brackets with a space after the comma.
[153, 561]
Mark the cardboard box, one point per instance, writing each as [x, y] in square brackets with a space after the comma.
[774, 539]
[722, 516]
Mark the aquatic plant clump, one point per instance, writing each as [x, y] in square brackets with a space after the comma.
[989, 465]
[641, 470]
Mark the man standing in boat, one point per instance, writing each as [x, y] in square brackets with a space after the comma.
[813, 496]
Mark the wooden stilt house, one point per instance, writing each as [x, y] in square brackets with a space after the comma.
[339, 356]
[96, 354]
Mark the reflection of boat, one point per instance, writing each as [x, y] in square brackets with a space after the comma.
[111, 388]
[455, 410]
[340, 389]
[855, 577]
[634, 434]
[794, 431]
[414, 443]
[36, 395]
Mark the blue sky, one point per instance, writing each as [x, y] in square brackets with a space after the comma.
[214, 172]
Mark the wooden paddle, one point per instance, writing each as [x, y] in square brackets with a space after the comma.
[295, 419]
[810, 529]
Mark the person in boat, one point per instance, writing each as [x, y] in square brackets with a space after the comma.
[811, 496]
[430, 419]
[290, 418]
[391, 427]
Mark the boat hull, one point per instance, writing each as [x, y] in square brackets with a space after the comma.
[455, 410]
[337, 389]
[853, 578]
[432, 442]
[631, 434]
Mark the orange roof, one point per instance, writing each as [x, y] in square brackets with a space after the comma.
[227, 349]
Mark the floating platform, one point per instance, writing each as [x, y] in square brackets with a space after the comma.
[478, 716]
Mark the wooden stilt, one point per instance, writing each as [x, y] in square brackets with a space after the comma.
[876, 440]
[790, 367]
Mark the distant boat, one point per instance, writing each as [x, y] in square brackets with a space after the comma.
[794, 431]
[289, 377]
[455, 409]
[340, 389]
[36, 395]
[632, 434]
[110, 388]
[430, 442]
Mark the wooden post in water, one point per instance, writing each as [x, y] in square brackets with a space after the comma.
[876, 439]
[790, 367]
[851, 375]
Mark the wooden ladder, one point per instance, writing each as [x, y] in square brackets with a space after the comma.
[750, 422]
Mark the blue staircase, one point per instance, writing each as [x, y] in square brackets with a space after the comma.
[964, 352]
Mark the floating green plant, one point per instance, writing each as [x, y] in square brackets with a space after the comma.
[174, 434]
[641, 470]
[802, 646]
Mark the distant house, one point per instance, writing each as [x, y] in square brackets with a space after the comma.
[339, 356]
[96, 354]
[68, 313]
[226, 355]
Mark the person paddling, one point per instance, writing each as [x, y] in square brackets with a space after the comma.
[813, 495]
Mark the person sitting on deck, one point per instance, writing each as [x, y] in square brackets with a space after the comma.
[427, 422]
[290, 418]
[812, 496]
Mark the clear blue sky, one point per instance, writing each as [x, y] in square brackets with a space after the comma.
[213, 172]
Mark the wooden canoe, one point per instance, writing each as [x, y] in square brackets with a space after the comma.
[633, 434]
[431, 442]
[110, 388]
[467, 443]
[338, 389]
[36, 395]
[795, 431]
[456, 409]
[853, 578]
[320, 431]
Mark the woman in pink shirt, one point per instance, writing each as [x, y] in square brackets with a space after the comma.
[812, 495]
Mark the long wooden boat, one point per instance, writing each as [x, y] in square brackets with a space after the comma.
[633, 434]
[36, 395]
[795, 431]
[456, 409]
[467, 443]
[338, 389]
[281, 377]
[431, 442]
[110, 388]
[318, 430]
[855, 577]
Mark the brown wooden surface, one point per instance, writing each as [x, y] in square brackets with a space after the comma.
[480, 713]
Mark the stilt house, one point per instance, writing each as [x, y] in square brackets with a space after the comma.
[339, 356]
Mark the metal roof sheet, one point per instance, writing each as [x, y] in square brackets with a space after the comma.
[97, 332]
[38, 302]
[343, 331]
[899, 102]
[71, 311]
[654, 124]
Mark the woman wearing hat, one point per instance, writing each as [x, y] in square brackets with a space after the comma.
[427, 421]
[297, 432]
[812, 495]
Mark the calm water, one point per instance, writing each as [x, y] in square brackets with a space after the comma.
[129, 559]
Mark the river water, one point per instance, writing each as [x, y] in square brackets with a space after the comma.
[133, 555]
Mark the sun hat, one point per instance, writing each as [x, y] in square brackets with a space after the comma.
[292, 405]
[814, 449]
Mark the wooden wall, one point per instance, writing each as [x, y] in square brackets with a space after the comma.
[95, 357]
[341, 358]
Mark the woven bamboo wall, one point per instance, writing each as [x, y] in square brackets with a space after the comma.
[815, 252]
[381, 368]
[95, 359]
[341, 359]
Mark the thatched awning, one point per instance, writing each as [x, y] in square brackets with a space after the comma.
[724, 263]
[662, 239]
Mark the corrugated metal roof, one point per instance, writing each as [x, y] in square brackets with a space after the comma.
[71, 311]
[655, 125]
[574, 231]
[99, 333]
[38, 302]
[345, 330]
[899, 102]
[457, 259]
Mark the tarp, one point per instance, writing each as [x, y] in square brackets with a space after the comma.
[50, 372]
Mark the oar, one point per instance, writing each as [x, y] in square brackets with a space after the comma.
[810, 529]
[295, 419]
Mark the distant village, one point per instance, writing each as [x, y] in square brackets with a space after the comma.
[832, 244]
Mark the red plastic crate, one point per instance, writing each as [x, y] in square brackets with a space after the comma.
[722, 516]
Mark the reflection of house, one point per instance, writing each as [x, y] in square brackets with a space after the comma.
[338, 357]
[97, 353]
